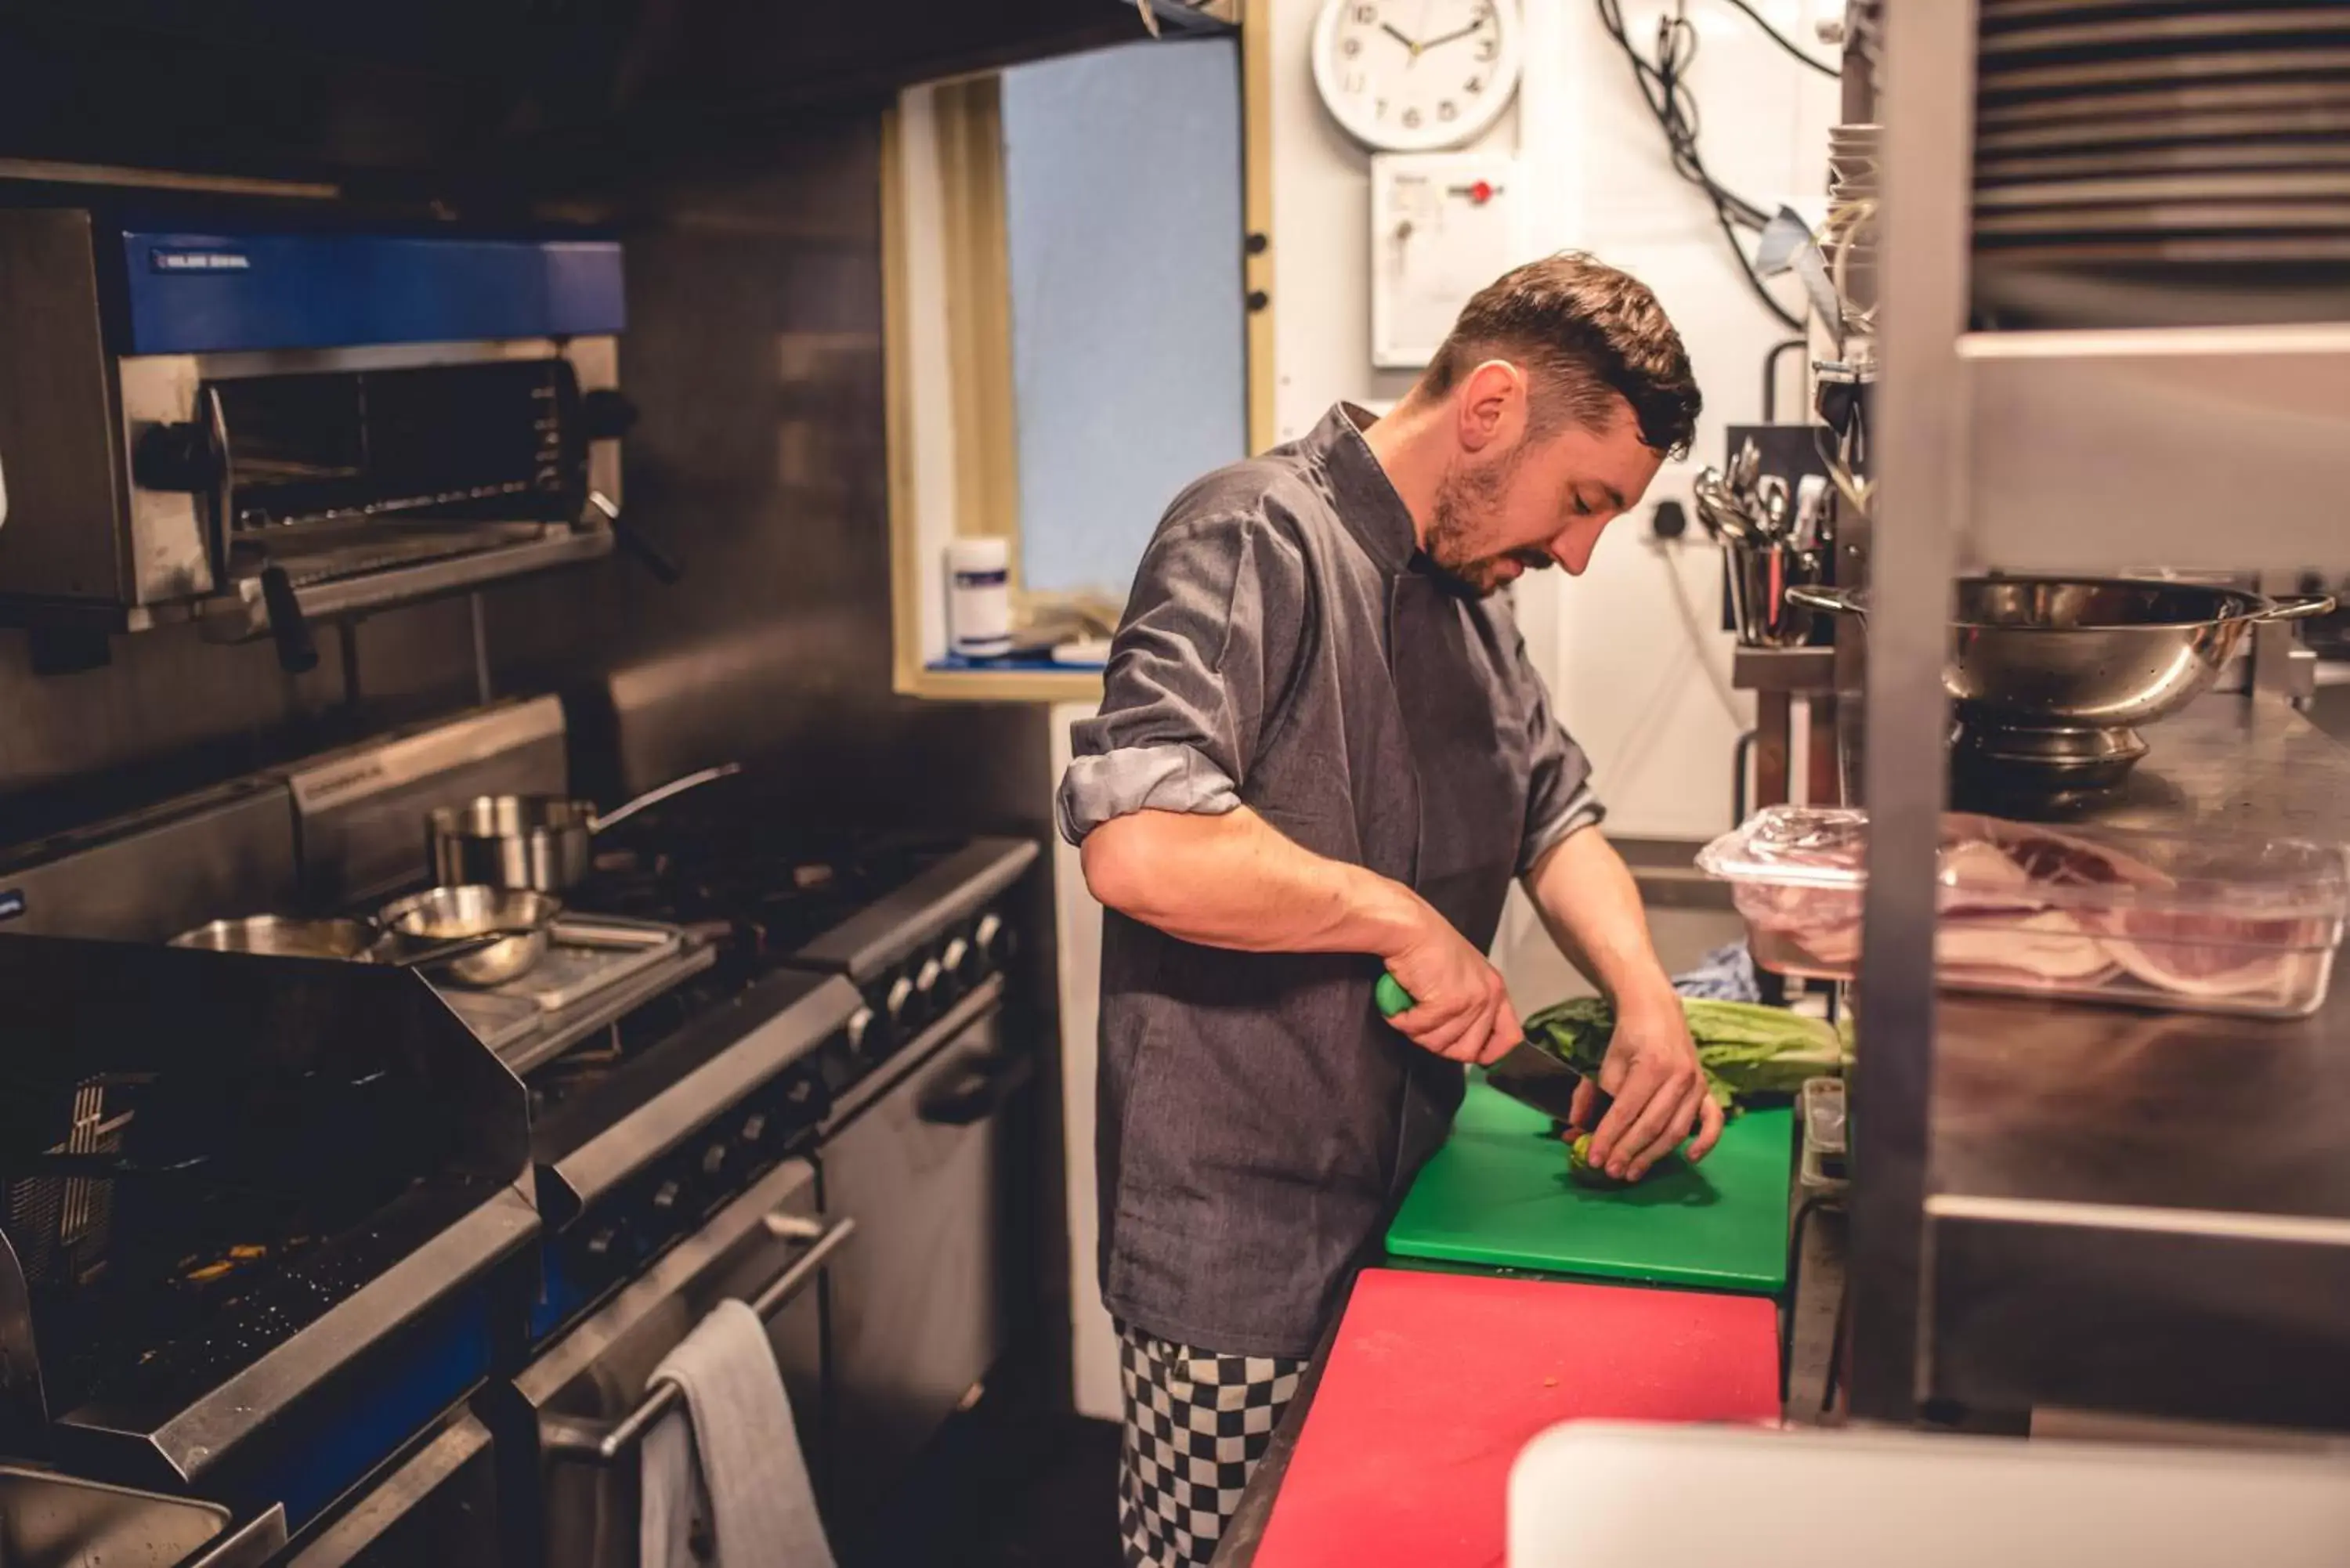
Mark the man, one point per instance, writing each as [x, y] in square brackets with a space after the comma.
[1322, 753]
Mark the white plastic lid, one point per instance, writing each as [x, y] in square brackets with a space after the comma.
[1988, 862]
[979, 555]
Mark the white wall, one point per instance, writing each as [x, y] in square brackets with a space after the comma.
[1647, 698]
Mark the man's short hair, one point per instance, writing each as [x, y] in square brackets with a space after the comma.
[1586, 334]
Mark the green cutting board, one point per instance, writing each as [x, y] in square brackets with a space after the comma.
[1497, 1194]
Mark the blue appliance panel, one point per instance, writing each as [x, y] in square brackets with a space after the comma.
[192, 293]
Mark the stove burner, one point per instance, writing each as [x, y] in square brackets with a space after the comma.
[759, 895]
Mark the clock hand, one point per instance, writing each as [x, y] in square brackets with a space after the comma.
[1391, 29]
[1449, 37]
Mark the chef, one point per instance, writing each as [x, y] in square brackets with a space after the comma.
[1322, 751]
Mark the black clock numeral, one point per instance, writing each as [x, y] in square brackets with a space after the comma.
[1411, 119]
[1487, 49]
[1474, 85]
[1367, 16]
[1353, 83]
[1445, 110]
[1380, 110]
[1351, 47]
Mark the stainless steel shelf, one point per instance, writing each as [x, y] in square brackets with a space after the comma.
[2208, 449]
[2146, 1211]
[1796, 670]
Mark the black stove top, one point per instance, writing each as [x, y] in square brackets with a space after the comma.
[758, 891]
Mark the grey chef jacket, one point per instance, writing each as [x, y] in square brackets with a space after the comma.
[1286, 648]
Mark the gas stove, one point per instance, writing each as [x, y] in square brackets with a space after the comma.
[828, 953]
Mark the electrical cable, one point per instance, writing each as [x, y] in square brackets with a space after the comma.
[1664, 87]
[1783, 41]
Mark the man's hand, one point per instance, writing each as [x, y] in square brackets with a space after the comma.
[1460, 1010]
[1652, 1070]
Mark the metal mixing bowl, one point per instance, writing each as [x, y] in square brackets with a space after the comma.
[2050, 676]
[449, 914]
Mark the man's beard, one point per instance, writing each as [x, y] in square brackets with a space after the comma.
[1466, 502]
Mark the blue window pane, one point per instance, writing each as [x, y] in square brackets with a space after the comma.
[1122, 211]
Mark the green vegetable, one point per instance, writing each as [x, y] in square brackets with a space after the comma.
[1583, 1173]
[1749, 1053]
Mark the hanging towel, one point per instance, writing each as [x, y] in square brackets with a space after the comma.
[751, 1483]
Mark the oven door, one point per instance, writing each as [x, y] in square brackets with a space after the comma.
[584, 1405]
[440, 1507]
[921, 1308]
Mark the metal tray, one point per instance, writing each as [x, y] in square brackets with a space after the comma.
[2215, 161]
[2187, 30]
[2161, 105]
[2163, 220]
[599, 969]
[2157, 71]
[2162, 131]
[2192, 190]
[1997, 13]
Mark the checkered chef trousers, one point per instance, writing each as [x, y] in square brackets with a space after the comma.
[1196, 1425]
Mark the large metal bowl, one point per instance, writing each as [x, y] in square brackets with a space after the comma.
[2049, 677]
[452, 914]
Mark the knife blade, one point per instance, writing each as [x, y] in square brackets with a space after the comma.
[1526, 1073]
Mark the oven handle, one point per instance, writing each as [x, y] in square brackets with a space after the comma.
[985, 1085]
[601, 1446]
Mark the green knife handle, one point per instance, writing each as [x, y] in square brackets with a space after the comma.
[1392, 998]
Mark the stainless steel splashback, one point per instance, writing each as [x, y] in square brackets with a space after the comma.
[144, 878]
[359, 812]
[330, 832]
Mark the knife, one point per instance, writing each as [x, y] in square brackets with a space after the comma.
[1526, 1073]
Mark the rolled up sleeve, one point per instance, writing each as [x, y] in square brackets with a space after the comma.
[1560, 800]
[1203, 652]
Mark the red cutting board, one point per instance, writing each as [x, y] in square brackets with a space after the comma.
[1435, 1381]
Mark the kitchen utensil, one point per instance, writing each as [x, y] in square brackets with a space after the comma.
[1762, 609]
[350, 941]
[1810, 528]
[284, 936]
[541, 843]
[1778, 506]
[1526, 1073]
[1498, 1195]
[1434, 1382]
[516, 921]
[2051, 675]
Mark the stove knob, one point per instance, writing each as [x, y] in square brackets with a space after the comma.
[900, 1002]
[604, 1245]
[754, 1129]
[993, 939]
[926, 985]
[960, 961]
[858, 1029]
[665, 1198]
[714, 1161]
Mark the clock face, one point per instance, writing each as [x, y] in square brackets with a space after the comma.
[1407, 75]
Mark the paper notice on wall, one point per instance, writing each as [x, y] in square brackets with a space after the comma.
[1444, 225]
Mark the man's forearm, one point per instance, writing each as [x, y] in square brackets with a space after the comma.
[1234, 881]
[1591, 906]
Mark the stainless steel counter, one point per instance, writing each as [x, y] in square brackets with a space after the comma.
[2149, 1212]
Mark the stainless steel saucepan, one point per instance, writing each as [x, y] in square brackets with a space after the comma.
[463, 956]
[540, 842]
[2051, 676]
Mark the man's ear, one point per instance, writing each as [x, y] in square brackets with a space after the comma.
[1490, 406]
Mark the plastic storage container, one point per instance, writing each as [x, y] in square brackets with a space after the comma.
[2206, 923]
